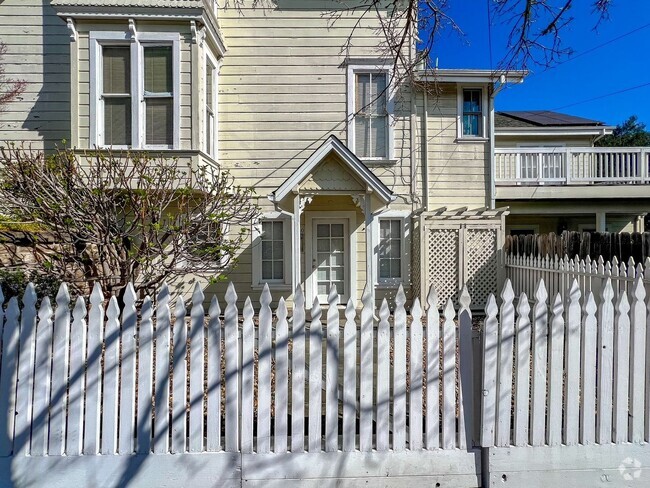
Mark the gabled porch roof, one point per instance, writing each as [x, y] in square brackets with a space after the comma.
[350, 163]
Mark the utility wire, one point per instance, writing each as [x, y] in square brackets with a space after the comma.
[489, 26]
[590, 50]
[603, 96]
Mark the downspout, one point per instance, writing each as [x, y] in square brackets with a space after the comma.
[425, 155]
[491, 96]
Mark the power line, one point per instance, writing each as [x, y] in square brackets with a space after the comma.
[590, 50]
[603, 96]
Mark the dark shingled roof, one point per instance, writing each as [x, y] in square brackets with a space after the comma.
[540, 118]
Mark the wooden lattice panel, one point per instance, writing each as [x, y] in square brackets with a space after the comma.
[442, 262]
[480, 251]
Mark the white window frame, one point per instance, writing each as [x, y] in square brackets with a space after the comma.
[256, 235]
[138, 115]
[533, 227]
[353, 70]
[404, 217]
[459, 116]
[211, 59]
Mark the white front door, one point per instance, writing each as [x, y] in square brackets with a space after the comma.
[330, 258]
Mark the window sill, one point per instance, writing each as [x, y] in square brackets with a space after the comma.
[471, 140]
[390, 285]
[379, 162]
[272, 286]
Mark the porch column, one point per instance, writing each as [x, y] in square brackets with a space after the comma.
[601, 222]
[295, 243]
[370, 254]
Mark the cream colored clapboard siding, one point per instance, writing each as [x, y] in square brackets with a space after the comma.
[38, 52]
[458, 172]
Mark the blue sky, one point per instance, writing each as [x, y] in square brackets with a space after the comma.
[617, 66]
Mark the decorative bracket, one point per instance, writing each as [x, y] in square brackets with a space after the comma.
[198, 35]
[304, 201]
[359, 200]
[133, 30]
[72, 28]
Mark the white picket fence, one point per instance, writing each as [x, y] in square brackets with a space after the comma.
[558, 273]
[575, 403]
[128, 397]
[118, 385]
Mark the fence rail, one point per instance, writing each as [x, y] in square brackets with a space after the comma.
[572, 165]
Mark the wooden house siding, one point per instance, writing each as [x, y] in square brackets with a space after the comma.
[38, 51]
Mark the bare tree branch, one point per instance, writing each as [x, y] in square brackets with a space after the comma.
[120, 217]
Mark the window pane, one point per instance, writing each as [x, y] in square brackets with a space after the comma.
[266, 230]
[267, 250]
[278, 270]
[158, 69]
[117, 69]
[267, 270]
[472, 101]
[362, 131]
[278, 250]
[378, 94]
[471, 125]
[378, 136]
[337, 230]
[395, 228]
[277, 231]
[159, 121]
[384, 268]
[384, 228]
[208, 85]
[362, 91]
[117, 121]
[322, 230]
[395, 268]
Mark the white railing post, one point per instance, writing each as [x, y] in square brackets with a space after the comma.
[568, 160]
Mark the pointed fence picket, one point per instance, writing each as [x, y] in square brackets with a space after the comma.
[573, 373]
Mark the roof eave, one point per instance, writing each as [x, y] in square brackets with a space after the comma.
[469, 76]
[554, 131]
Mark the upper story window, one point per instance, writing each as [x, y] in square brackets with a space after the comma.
[471, 113]
[210, 106]
[370, 132]
[116, 95]
[158, 95]
[134, 87]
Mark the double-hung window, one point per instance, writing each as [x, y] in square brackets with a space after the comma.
[158, 95]
[272, 250]
[390, 249]
[471, 113]
[369, 113]
[134, 85]
[210, 106]
[392, 237]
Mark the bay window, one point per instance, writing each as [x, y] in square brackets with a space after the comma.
[134, 86]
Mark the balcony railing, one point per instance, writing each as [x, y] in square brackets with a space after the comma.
[572, 166]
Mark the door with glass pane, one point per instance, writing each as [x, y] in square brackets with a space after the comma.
[330, 255]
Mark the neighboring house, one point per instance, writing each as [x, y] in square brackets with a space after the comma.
[552, 178]
[361, 178]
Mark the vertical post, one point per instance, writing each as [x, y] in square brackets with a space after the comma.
[370, 255]
[295, 243]
[601, 222]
